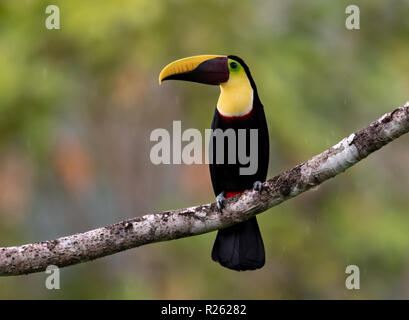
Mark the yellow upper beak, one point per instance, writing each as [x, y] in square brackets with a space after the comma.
[184, 65]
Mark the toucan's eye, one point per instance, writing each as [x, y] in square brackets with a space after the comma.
[233, 65]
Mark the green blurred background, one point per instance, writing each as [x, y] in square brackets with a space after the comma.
[77, 107]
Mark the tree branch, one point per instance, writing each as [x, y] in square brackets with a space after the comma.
[187, 222]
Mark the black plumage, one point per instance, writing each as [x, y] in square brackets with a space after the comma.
[240, 247]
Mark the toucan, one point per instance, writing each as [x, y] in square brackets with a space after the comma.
[239, 247]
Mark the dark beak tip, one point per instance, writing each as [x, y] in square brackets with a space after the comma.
[213, 72]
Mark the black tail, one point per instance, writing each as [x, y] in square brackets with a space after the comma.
[240, 247]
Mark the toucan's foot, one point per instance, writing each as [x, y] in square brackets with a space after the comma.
[258, 186]
[220, 200]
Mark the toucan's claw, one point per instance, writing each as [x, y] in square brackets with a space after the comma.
[258, 186]
[220, 200]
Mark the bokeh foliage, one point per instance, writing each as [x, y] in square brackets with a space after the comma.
[77, 106]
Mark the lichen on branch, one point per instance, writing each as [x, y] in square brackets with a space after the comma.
[197, 220]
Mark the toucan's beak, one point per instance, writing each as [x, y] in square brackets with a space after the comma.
[207, 69]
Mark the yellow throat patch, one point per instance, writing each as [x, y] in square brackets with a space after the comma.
[236, 95]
